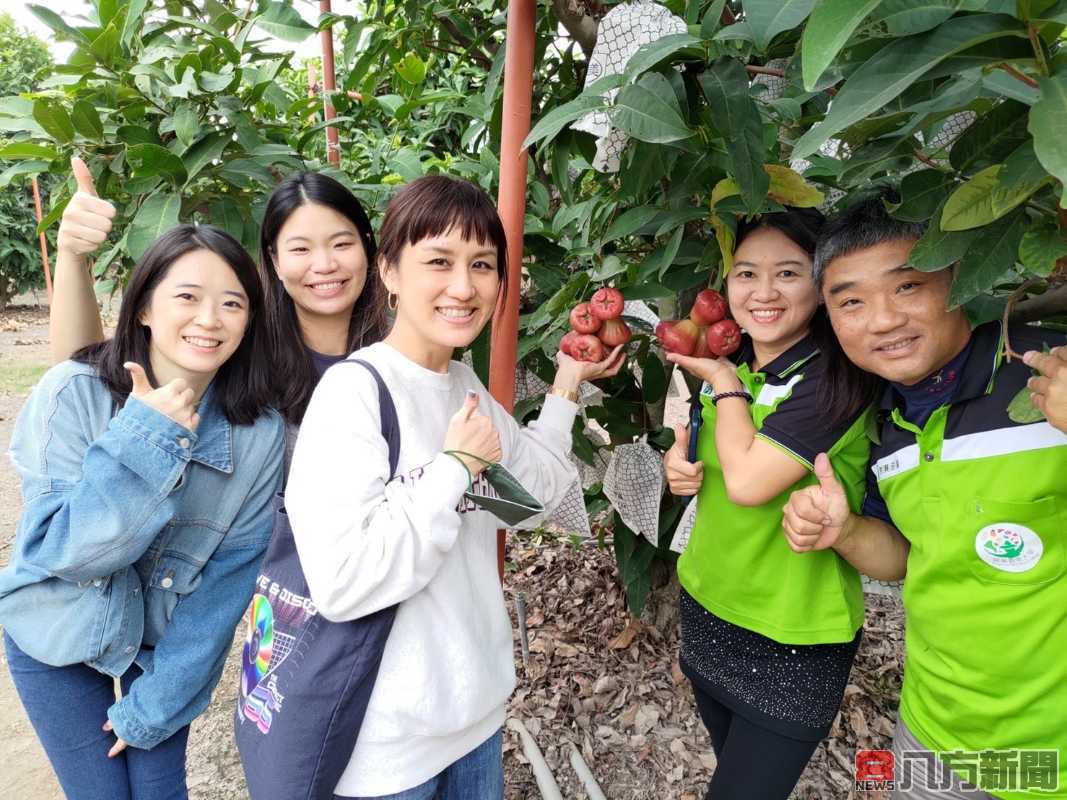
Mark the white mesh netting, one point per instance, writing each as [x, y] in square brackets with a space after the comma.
[620, 34]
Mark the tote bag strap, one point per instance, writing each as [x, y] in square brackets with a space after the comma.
[389, 422]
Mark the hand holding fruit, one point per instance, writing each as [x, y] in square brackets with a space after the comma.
[719, 373]
[86, 220]
[683, 476]
[595, 326]
[573, 371]
[706, 334]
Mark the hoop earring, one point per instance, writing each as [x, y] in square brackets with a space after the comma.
[391, 301]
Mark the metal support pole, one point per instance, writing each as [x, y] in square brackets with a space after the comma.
[329, 82]
[511, 203]
[44, 241]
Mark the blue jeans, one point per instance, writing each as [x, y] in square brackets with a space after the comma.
[479, 775]
[67, 707]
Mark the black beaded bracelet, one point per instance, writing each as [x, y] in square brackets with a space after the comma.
[717, 397]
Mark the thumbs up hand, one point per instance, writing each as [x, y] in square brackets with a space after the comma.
[472, 432]
[683, 476]
[86, 220]
[174, 400]
[816, 517]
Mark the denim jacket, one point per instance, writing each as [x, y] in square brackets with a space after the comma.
[139, 541]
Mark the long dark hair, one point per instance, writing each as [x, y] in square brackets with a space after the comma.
[845, 389]
[242, 384]
[433, 205]
[290, 356]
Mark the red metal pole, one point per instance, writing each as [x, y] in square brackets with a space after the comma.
[333, 149]
[511, 203]
[44, 241]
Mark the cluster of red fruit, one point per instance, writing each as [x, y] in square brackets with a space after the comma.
[706, 334]
[595, 326]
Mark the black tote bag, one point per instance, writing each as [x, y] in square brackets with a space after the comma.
[305, 681]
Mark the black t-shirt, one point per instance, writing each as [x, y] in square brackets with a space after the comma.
[323, 362]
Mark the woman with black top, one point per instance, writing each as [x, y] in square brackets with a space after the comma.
[767, 638]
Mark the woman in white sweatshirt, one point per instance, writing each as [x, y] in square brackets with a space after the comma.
[368, 540]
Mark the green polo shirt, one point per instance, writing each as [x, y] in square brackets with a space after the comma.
[738, 564]
[983, 502]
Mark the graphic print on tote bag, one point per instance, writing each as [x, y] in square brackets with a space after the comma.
[278, 622]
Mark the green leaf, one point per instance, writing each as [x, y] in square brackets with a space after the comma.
[670, 251]
[106, 46]
[58, 24]
[150, 160]
[712, 19]
[648, 111]
[991, 137]
[53, 215]
[55, 120]
[553, 122]
[1041, 247]
[909, 17]
[157, 215]
[411, 68]
[22, 168]
[767, 18]
[650, 54]
[648, 291]
[18, 151]
[829, 27]
[201, 154]
[134, 20]
[1048, 124]
[937, 249]
[990, 256]
[1021, 409]
[86, 120]
[135, 134]
[282, 20]
[186, 123]
[609, 268]
[921, 194]
[788, 187]
[726, 89]
[983, 199]
[218, 81]
[896, 67]
[1057, 12]
[629, 221]
[653, 378]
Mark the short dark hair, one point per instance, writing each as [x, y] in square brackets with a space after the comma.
[846, 389]
[434, 204]
[242, 384]
[866, 223]
[801, 225]
[291, 357]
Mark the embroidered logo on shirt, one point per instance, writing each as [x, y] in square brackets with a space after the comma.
[1009, 547]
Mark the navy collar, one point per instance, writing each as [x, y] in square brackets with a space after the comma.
[214, 435]
[793, 358]
[983, 354]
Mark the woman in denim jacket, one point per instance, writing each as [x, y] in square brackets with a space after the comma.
[146, 512]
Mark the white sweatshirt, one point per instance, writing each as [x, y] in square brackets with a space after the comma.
[366, 543]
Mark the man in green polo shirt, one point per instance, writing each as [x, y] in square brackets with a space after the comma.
[967, 504]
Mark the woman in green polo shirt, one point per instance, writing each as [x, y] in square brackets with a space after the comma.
[768, 638]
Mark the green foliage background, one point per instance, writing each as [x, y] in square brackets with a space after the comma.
[184, 112]
[23, 60]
